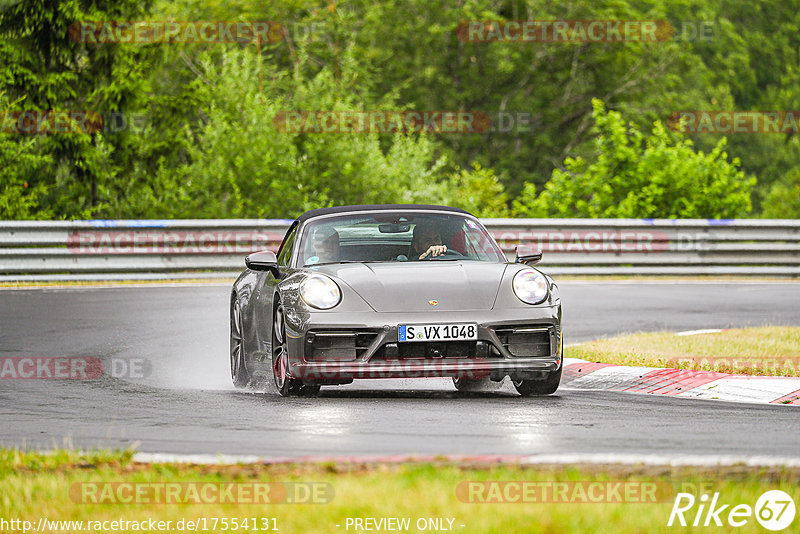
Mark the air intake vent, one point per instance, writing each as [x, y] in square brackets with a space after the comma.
[338, 345]
[527, 341]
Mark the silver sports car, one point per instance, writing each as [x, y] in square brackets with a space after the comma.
[394, 291]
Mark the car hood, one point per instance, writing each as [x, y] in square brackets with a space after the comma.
[408, 287]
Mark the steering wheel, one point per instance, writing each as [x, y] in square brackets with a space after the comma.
[449, 253]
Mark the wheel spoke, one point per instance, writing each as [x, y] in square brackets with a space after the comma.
[236, 358]
[279, 349]
[238, 371]
[236, 322]
[279, 368]
[279, 326]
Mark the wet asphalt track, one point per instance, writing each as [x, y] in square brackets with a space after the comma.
[188, 406]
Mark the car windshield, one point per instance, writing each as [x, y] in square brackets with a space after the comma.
[397, 237]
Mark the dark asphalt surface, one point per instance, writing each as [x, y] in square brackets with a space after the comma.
[187, 405]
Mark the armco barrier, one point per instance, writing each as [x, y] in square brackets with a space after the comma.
[200, 248]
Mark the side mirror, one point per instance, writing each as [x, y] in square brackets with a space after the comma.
[263, 261]
[528, 254]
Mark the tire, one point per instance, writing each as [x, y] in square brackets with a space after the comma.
[467, 385]
[285, 385]
[548, 386]
[240, 376]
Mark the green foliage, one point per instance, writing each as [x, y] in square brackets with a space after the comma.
[660, 175]
[207, 146]
[21, 170]
[525, 204]
[238, 164]
[21, 193]
[783, 199]
[43, 70]
[478, 191]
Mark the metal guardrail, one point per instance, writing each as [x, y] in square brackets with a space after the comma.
[200, 248]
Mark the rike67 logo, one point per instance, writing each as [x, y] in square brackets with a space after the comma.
[774, 510]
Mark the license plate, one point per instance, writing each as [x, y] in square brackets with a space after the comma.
[438, 332]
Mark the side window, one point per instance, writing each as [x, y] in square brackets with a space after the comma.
[285, 254]
[479, 246]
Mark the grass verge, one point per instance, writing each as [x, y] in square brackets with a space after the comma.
[768, 350]
[37, 485]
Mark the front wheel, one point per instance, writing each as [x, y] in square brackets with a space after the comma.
[548, 386]
[467, 385]
[240, 376]
[285, 385]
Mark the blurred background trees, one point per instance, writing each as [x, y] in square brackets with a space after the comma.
[198, 137]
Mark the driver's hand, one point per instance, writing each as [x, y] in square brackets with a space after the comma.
[434, 250]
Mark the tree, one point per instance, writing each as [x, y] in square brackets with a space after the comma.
[783, 199]
[660, 175]
[21, 196]
[200, 138]
[239, 163]
[42, 69]
[479, 191]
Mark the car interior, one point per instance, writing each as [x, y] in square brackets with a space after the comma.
[372, 240]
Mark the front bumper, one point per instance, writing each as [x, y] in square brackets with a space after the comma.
[491, 356]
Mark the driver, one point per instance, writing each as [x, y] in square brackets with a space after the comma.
[324, 246]
[426, 241]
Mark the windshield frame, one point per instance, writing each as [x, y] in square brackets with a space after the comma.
[302, 233]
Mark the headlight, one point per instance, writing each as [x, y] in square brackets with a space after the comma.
[320, 292]
[530, 286]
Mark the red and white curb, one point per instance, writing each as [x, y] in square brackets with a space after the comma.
[684, 383]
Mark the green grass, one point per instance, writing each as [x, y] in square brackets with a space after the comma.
[768, 350]
[36, 485]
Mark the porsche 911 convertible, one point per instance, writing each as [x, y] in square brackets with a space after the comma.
[394, 291]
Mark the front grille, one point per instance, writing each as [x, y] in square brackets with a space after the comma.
[438, 349]
[432, 349]
[338, 345]
[527, 341]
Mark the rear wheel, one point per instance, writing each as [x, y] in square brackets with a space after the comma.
[240, 376]
[285, 385]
